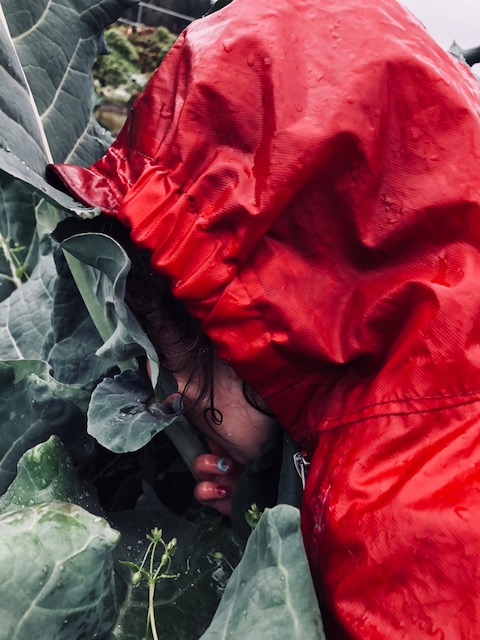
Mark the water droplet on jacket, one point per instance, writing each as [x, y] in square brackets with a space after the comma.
[266, 63]
[461, 512]
[228, 45]
[351, 100]
[441, 277]
[250, 59]
[416, 133]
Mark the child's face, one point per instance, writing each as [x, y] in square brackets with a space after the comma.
[244, 429]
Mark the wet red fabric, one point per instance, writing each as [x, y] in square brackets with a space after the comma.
[306, 172]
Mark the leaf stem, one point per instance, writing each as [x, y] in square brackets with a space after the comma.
[7, 252]
[151, 608]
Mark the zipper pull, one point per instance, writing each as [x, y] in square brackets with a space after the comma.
[301, 465]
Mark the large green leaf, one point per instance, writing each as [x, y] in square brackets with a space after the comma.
[270, 595]
[45, 317]
[74, 339]
[25, 316]
[47, 50]
[44, 474]
[56, 576]
[33, 406]
[56, 573]
[101, 266]
[118, 414]
[123, 418]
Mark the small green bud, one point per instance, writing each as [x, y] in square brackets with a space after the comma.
[217, 555]
[253, 516]
[171, 546]
[137, 577]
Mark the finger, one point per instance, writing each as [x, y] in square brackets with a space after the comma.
[213, 495]
[208, 465]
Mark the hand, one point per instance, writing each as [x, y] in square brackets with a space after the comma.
[218, 475]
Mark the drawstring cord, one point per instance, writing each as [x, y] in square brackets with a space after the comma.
[301, 465]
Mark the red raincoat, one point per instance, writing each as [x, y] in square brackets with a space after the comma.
[307, 173]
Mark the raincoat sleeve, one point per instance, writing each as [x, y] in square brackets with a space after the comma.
[306, 174]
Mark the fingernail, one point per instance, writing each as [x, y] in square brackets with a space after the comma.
[223, 465]
[221, 491]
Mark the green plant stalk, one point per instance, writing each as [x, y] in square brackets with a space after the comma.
[187, 443]
[10, 258]
[151, 609]
[153, 576]
[151, 593]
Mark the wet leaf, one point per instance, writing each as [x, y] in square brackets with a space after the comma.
[118, 414]
[34, 406]
[270, 594]
[56, 573]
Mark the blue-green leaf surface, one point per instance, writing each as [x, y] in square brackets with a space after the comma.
[56, 573]
[104, 265]
[47, 50]
[118, 413]
[34, 406]
[270, 595]
[44, 473]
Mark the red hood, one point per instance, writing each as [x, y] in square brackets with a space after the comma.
[310, 185]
